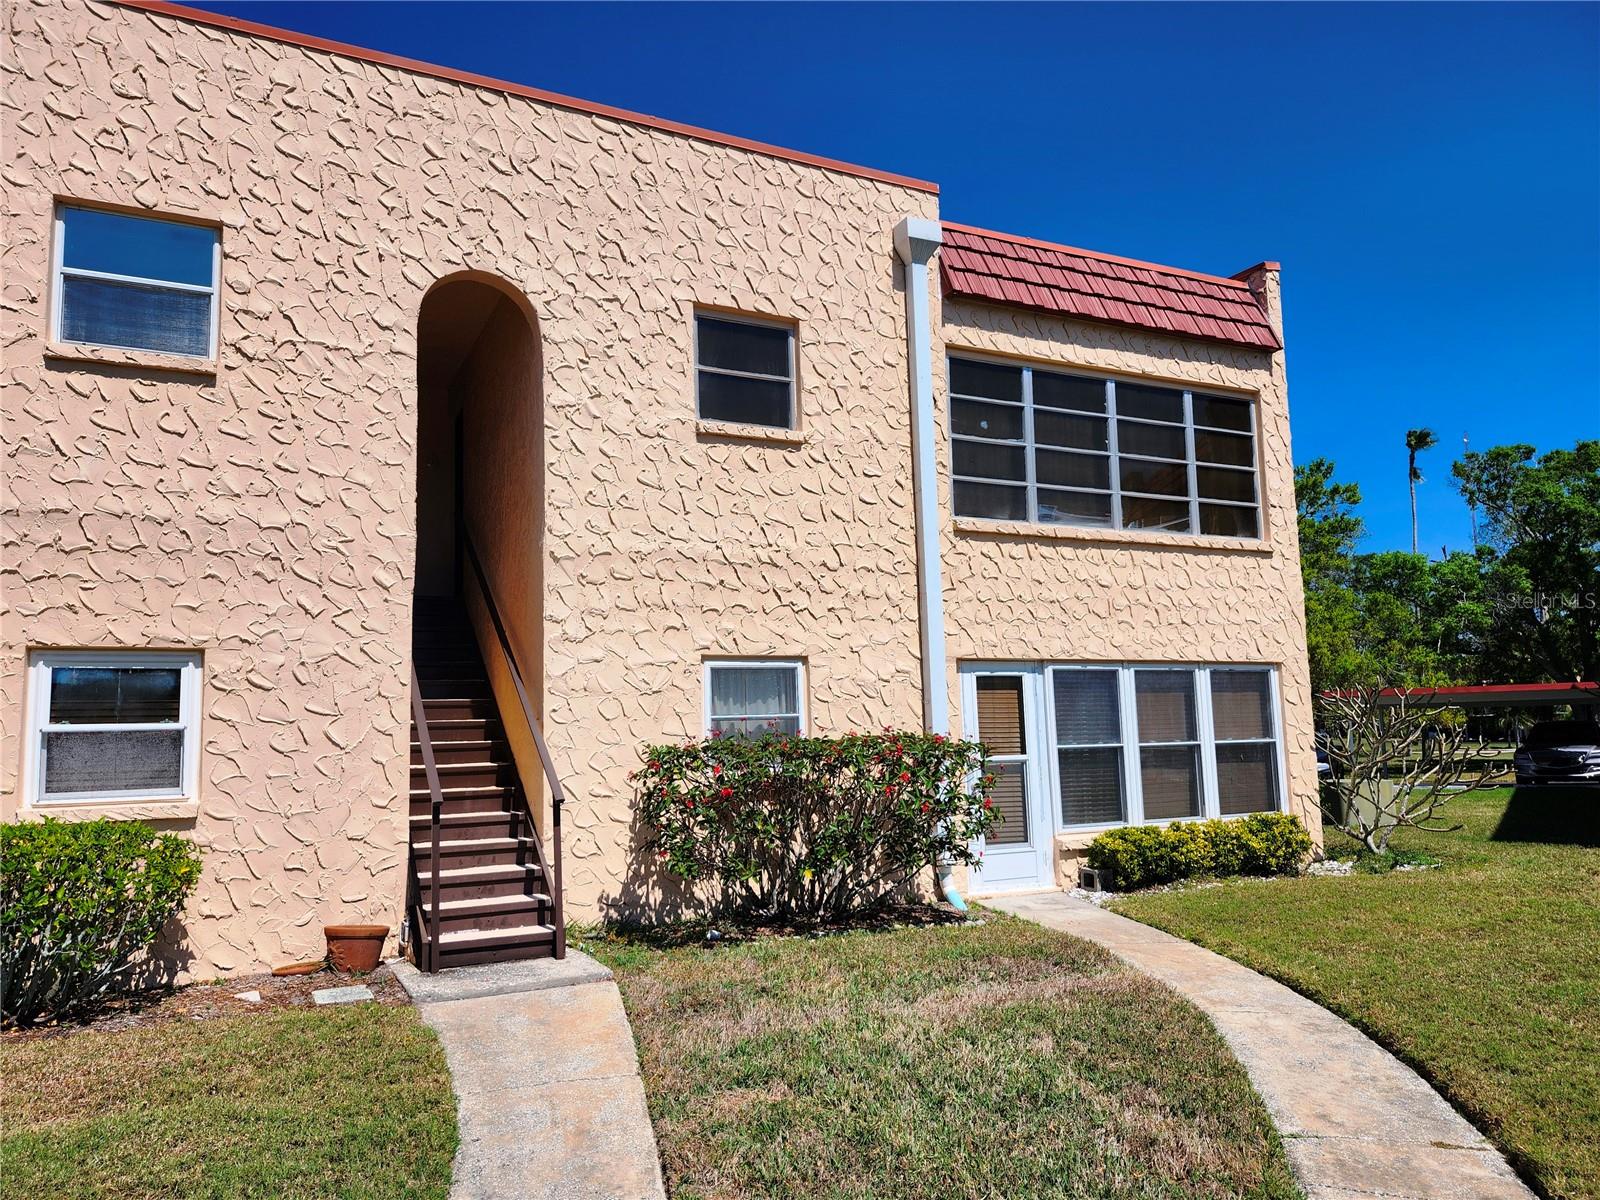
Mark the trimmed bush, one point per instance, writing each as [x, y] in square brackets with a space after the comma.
[79, 905]
[1145, 855]
[813, 829]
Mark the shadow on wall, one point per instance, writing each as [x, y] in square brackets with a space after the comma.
[169, 960]
[1557, 816]
[650, 894]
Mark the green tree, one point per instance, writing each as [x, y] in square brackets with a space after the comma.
[1329, 533]
[1385, 618]
[1542, 517]
[1417, 440]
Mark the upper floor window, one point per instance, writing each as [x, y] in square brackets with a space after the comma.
[754, 696]
[1036, 445]
[114, 725]
[135, 283]
[744, 370]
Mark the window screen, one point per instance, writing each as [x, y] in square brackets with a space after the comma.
[1002, 728]
[1169, 744]
[1089, 745]
[136, 282]
[1247, 758]
[744, 371]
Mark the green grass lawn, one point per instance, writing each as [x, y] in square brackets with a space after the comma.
[349, 1102]
[1484, 974]
[943, 1061]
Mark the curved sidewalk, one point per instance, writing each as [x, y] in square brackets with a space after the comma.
[549, 1101]
[1356, 1121]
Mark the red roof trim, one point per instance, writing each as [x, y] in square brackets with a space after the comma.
[306, 41]
[1097, 254]
[1472, 689]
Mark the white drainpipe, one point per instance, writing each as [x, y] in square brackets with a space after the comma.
[916, 241]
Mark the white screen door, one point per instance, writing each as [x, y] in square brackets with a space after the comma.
[1000, 707]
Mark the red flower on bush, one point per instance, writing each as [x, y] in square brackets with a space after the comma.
[716, 768]
[905, 776]
[726, 792]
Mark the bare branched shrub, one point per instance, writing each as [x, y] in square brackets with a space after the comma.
[1399, 756]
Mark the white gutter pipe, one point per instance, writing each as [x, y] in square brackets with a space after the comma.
[916, 241]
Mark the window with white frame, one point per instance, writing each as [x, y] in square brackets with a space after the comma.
[744, 370]
[1029, 444]
[135, 283]
[1156, 744]
[113, 725]
[753, 697]
[1246, 742]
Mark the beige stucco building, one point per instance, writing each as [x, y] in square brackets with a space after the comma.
[738, 434]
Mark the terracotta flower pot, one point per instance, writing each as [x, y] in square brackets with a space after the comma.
[355, 949]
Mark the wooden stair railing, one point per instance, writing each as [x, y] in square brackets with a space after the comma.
[419, 718]
[551, 868]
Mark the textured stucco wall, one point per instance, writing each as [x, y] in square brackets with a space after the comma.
[265, 514]
[1015, 592]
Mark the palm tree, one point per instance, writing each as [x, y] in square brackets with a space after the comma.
[1417, 440]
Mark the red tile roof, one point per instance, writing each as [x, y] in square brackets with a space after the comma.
[980, 264]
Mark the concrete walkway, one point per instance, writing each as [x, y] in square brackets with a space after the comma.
[1357, 1122]
[549, 1101]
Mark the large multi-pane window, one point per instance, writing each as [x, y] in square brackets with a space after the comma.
[1156, 744]
[114, 725]
[136, 283]
[1029, 444]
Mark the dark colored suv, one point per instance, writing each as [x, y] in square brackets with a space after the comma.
[1559, 752]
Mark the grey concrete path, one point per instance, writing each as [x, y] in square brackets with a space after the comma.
[549, 1100]
[1356, 1121]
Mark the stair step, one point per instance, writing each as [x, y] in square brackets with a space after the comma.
[476, 791]
[491, 873]
[485, 905]
[449, 689]
[473, 939]
[459, 708]
[464, 750]
[451, 729]
[471, 845]
[454, 667]
[425, 820]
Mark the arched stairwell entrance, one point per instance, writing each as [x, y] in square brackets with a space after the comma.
[485, 801]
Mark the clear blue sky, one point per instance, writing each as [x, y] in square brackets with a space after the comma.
[1429, 175]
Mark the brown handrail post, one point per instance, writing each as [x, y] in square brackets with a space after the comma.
[557, 793]
[419, 716]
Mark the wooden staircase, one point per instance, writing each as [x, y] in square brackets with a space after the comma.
[493, 884]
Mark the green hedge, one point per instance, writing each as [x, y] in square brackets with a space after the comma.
[79, 905]
[1145, 855]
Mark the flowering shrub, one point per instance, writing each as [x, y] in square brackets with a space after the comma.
[813, 828]
[1145, 855]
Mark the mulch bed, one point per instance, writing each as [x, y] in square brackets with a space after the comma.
[213, 1001]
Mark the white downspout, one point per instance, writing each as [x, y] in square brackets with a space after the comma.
[916, 241]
